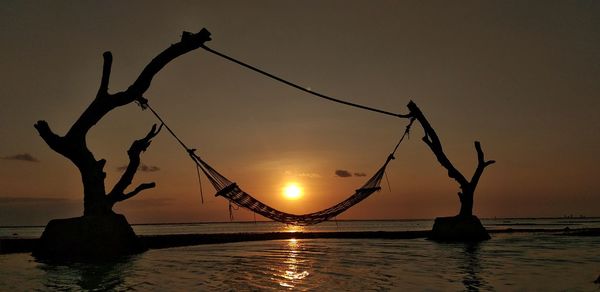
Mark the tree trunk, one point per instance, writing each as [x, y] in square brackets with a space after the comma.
[466, 204]
[94, 195]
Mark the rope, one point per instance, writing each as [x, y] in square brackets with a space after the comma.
[294, 85]
[406, 134]
[200, 182]
[145, 105]
[388, 182]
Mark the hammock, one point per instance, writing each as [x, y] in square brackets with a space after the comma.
[231, 191]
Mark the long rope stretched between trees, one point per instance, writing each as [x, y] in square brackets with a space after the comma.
[295, 85]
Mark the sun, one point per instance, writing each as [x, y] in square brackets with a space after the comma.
[292, 191]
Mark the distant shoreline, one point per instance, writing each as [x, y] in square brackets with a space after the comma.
[341, 220]
[26, 245]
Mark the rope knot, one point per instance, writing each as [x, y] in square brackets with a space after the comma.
[142, 102]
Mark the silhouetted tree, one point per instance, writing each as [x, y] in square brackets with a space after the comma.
[73, 144]
[467, 186]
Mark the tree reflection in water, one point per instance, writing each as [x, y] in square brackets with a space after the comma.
[102, 276]
[471, 269]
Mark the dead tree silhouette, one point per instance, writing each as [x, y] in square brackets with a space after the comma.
[73, 144]
[98, 203]
[464, 226]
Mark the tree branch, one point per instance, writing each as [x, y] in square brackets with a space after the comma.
[137, 147]
[57, 143]
[106, 68]
[188, 43]
[481, 164]
[432, 140]
[54, 141]
[104, 102]
[132, 193]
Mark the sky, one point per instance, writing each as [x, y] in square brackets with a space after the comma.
[522, 77]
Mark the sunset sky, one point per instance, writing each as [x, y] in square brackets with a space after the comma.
[522, 77]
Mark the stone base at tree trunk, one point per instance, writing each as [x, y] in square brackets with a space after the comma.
[458, 228]
[88, 238]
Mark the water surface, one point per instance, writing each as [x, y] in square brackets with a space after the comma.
[513, 262]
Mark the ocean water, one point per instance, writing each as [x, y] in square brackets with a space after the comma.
[507, 262]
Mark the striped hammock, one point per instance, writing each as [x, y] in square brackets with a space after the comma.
[232, 192]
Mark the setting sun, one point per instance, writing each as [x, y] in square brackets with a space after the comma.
[292, 191]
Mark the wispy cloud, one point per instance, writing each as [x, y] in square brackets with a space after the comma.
[148, 168]
[343, 173]
[309, 175]
[346, 173]
[302, 174]
[142, 167]
[22, 157]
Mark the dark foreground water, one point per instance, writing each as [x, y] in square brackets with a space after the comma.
[507, 262]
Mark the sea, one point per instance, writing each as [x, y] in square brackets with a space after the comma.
[518, 261]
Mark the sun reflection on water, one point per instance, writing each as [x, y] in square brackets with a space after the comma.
[292, 228]
[292, 271]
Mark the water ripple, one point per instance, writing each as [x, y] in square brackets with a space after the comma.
[539, 262]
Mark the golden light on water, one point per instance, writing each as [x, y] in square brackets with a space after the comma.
[293, 273]
[292, 228]
[292, 191]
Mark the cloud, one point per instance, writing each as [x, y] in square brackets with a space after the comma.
[142, 167]
[343, 173]
[346, 173]
[22, 157]
[309, 175]
[148, 168]
[302, 174]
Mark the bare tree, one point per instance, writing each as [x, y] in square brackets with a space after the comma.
[467, 186]
[73, 144]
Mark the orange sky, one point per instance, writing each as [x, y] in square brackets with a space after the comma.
[521, 77]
